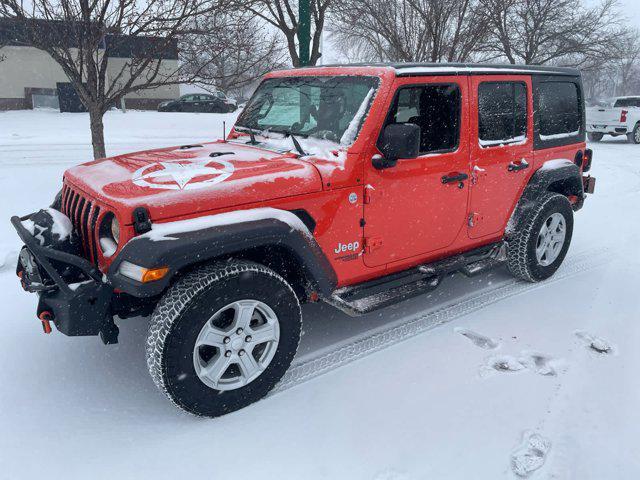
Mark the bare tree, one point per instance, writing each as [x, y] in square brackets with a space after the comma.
[410, 30]
[283, 15]
[231, 49]
[80, 34]
[627, 61]
[550, 31]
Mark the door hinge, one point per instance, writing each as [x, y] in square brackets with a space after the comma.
[372, 243]
[368, 193]
[474, 219]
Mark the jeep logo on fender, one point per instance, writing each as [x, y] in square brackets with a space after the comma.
[349, 247]
[183, 174]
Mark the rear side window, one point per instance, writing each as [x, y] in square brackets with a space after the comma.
[435, 109]
[559, 112]
[627, 102]
[502, 113]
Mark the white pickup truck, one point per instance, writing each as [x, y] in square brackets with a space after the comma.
[621, 119]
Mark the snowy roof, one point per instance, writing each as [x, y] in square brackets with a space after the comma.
[411, 69]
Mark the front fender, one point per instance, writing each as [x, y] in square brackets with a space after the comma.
[183, 249]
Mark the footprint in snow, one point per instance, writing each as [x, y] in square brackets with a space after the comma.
[594, 343]
[530, 455]
[390, 474]
[503, 363]
[536, 362]
[477, 339]
[541, 364]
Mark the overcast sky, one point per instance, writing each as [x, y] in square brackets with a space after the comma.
[630, 9]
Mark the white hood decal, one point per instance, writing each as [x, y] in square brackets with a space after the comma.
[183, 174]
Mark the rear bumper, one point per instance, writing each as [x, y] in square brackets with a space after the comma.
[608, 129]
[589, 184]
[77, 309]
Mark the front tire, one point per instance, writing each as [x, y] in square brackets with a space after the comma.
[594, 136]
[538, 248]
[634, 137]
[223, 336]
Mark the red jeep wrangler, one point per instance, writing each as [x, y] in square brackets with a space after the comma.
[359, 186]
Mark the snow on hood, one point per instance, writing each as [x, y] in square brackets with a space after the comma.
[179, 181]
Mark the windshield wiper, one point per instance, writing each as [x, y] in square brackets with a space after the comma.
[251, 132]
[296, 143]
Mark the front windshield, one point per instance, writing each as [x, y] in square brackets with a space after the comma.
[329, 108]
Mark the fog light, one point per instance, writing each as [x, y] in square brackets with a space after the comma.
[142, 274]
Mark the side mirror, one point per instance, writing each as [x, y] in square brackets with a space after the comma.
[399, 140]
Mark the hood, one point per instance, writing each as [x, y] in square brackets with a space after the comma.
[178, 181]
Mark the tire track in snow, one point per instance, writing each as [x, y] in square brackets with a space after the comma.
[362, 346]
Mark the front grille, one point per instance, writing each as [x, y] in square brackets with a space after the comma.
[84, 216]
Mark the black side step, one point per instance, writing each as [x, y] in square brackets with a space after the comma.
[369, 296]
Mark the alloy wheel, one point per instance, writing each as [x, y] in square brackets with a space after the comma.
[551, 239]
[236, 345]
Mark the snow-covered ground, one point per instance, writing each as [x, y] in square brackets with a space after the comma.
[481, 379]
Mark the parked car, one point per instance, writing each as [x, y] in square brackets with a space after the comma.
[623, 118]
[200, 102]
[357, 186]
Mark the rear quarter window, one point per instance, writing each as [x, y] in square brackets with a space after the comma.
[559, 110]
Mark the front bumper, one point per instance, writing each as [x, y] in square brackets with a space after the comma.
[76, 308]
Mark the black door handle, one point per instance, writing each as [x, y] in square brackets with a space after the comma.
[458, 177]
[515, 167]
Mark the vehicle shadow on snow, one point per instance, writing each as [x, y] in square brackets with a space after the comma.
[92, 378]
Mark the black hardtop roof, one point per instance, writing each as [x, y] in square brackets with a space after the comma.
[411, 69]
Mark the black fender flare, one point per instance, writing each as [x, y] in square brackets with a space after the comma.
[565, 179]
[181, 250]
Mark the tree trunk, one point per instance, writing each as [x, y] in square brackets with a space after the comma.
[97, 134]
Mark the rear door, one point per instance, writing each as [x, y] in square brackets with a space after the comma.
[501, 149]
[409, 210]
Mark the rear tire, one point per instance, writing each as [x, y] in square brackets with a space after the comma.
[208, 356]
[634, 137]
[594, 136]
[538, 248]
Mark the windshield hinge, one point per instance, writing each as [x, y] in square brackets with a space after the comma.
[372, 243]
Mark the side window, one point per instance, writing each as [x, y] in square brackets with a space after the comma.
[558, 110]
[502, 113]
[435, 109]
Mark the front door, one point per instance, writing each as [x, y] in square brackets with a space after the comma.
[502, 154]
[415, 207]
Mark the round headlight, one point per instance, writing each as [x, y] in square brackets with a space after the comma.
[109, 234]
[115, 230]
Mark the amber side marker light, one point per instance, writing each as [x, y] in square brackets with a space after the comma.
[142, 274]
[154, 274]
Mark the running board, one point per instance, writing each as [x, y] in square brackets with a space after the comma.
[379, 293]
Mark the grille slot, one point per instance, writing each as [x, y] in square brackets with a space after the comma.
[83, 214]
